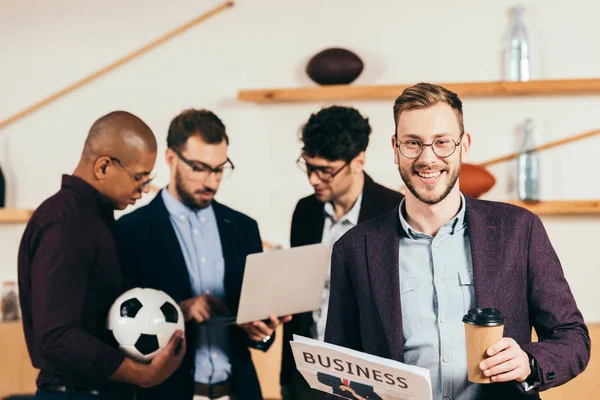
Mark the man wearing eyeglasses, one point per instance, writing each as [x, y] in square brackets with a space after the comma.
[193, 248]
[401, 283]
[333, 155]
[69, 273]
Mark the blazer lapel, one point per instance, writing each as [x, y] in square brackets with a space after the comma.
[227, 235]
[384, 272]
[167, 248]
[314, 226]
[484, 231]
[368, 208]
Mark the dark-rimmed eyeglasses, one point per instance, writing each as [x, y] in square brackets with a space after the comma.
[137, 178]
[442, 147]
[325, 174]
[201, 171]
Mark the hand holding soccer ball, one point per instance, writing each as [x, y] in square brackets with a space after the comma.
[143, 322]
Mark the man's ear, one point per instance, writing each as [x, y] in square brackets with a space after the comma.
[100, 167]
[359, 162]
[465, 145]
[396, 159]
[170, 157]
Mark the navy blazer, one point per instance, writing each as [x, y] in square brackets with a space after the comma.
[151, 257]
[307, 228]
[515, 269]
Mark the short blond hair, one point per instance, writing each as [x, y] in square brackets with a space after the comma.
[425, 95]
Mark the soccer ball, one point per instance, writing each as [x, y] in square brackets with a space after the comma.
[142, 321]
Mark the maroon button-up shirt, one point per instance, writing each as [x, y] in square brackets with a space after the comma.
[69, 276]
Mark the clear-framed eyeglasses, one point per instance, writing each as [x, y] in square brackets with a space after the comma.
[442, 147]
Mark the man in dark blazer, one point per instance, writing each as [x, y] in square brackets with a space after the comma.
[401, 282]
[194, 249]
[334, 143]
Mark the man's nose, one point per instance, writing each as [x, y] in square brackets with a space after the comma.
[427, 155]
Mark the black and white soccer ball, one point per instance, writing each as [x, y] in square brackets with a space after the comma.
[142, 321]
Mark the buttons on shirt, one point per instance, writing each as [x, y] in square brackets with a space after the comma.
[445, 359]
[196, 231]
[438, 280]
[447, 398]
[443, 320]
[436, 245]
[214, 355]
[203, 260]
[182, 217]
[202, 219]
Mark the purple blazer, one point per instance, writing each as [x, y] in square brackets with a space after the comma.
[515, 268]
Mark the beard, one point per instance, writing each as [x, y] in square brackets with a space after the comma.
[187, 198]
[427, 194]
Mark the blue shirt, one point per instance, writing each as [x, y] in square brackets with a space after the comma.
[436, 289]
[198, 236]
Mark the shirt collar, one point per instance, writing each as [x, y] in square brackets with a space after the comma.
[99, 202]
[456, 224]
[178, 210]
[351, 216]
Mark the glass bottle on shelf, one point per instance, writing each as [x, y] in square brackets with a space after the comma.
[9, 303]
[518, 49]
[528, 169]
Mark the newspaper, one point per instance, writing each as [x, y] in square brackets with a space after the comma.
[351, 374]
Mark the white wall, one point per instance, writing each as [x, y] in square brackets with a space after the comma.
[265, 43]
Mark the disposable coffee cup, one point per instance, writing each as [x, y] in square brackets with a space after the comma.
[483, 328]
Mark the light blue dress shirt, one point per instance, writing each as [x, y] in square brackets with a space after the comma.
[198, 236]
[436, 289]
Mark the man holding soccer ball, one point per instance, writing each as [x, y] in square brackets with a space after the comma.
[69, 272]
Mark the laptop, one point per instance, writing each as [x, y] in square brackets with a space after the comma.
[280, 282]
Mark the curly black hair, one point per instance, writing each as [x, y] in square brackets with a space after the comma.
[335, 133]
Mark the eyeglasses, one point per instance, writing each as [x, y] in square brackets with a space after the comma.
[325, 174]
[136, 177]
[201, 171]
[442, 147]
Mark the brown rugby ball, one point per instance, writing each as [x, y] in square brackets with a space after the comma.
[334, 66]
[475, 180]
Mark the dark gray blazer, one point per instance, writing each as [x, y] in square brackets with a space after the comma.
[515, 268]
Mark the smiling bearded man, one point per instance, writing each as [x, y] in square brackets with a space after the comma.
[402, 282]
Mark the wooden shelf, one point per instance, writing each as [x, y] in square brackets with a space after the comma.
[574, 207]
[14, 215]
[463, 89]
[555, 207]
